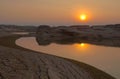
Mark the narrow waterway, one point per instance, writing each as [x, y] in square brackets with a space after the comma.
[104, 58]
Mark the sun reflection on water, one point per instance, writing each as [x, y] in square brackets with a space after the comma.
[82, 44]
[82, 47]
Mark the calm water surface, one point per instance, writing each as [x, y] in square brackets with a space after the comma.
[20, 33]
[104, 58]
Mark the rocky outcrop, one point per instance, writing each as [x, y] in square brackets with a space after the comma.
[97, 32]
[16, 28]
[70, 35]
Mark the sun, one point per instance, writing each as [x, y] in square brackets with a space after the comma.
[83, 17]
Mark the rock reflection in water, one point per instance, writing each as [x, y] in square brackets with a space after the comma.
[103, 42]
[65, 35]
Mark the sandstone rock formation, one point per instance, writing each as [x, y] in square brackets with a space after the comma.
[70, 35]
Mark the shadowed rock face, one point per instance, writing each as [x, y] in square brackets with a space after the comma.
[68, 35]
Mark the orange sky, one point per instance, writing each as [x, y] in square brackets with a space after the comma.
[59, 12]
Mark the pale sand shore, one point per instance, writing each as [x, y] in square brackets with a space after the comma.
[20, 63]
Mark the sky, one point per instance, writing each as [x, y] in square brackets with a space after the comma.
[59, 12]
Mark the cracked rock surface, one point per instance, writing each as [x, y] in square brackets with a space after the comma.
[19, 64]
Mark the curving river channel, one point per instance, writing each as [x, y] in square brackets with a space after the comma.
[104, 58]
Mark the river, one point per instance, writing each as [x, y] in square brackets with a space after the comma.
[101, 57]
